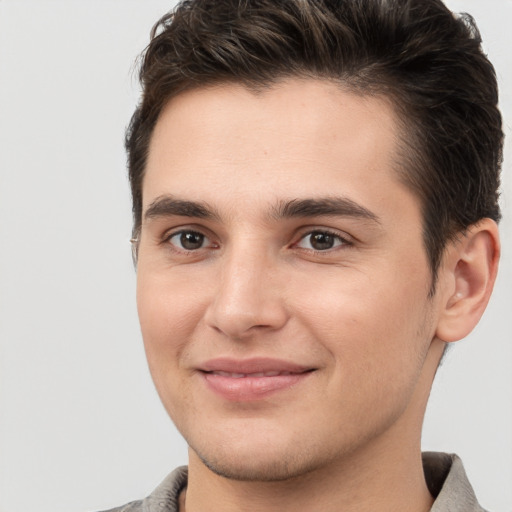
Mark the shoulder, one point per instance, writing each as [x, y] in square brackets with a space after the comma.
[163, 499]
[448, 483]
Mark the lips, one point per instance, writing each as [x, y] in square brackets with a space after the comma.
[255, 374]
[252, 379]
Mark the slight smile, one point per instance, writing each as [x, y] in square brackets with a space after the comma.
[251, 379]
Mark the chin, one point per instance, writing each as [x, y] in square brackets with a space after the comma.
[259, 461]
[271, 470]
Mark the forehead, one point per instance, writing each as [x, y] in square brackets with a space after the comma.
[297, 138]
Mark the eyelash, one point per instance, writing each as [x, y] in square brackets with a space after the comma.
[169, 236]
[343, 241]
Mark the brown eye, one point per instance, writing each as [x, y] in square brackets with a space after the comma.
[321, 241]
[188, 240]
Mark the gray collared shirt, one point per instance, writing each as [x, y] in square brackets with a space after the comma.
[444, 473]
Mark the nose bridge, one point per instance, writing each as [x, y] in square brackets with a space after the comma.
[247, 295]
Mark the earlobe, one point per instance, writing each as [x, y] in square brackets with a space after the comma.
[469, 271]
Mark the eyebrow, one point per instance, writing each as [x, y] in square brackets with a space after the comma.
[328, 206]
[167, 206]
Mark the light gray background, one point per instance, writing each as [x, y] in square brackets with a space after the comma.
[81, 427]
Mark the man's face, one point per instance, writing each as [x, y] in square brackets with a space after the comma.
[282, 279]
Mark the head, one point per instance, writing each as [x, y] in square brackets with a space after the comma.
[424, 59]
[313, 183]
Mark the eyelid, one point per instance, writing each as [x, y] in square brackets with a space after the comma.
[194, 228]
[177, 230]
[346, 239]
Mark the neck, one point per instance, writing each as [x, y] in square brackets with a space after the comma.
[384, 475]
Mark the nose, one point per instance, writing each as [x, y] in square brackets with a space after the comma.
[249, 296]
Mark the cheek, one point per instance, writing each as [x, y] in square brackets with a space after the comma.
[169, 311]
[168, 317]
[371, 324]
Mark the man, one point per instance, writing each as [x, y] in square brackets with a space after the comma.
[315, 218]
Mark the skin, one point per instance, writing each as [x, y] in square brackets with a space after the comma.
[358, 314]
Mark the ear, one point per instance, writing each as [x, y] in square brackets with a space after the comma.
[468, 272]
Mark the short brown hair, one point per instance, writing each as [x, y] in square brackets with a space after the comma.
[428, 61]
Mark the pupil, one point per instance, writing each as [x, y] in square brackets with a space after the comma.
[191, 241]
[322, 241]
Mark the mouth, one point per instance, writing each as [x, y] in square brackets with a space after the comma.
[253, 379]
[245, 375]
